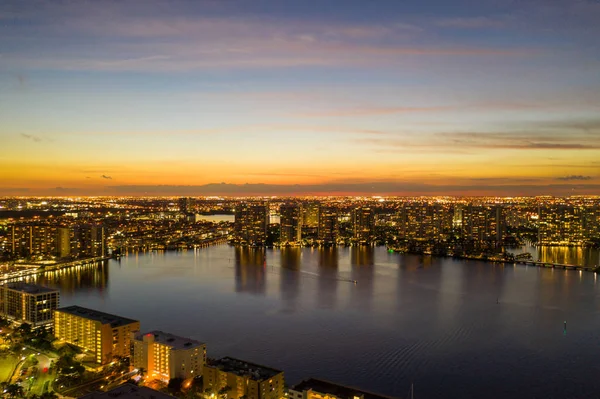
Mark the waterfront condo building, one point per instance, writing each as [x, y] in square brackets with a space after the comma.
[165, 356]
[291, 224]
[103, 334]
[251, 221]
[57, 241]
[363, 224]
[242, 379]
[320, 389]
[28, 303]
[310, 214]
[328, 225]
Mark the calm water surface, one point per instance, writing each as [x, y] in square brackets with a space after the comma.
[453, 328]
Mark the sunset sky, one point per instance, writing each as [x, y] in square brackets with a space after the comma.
[294, 97]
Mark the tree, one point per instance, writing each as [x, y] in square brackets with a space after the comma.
[49, 395]
[15, 391]
[141, 372]
[24, 329]
[175, 384]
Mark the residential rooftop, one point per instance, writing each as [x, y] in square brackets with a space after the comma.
[174, 341]
[127, 391]
[104, 318]
[340, 391]
[29, 288]
[242, 368]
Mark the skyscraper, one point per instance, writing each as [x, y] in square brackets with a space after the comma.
[90, 241]
[32, 239]
[363, 224]
[290, 224]
[328, 225]
[251, 221]
[186, 204]
[310, 214]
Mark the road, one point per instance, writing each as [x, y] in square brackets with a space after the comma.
[38, 380]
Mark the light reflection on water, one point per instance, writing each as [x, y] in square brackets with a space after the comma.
[453, 328]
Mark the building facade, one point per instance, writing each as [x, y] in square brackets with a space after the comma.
[363, 225]
[30, 240]
[28, 303]
[290, 224]
[243, 379]
[250, 225]
[328, 225]
[105, 335]
[165, 356]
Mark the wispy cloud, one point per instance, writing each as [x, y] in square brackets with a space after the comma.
[470, 22]
[509, 140]
[374, 188]
[574, 178]
[31, 137]
[369, 111]
[174, 42]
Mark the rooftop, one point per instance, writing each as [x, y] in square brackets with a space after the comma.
[29, 288]
[245, 369]
[341, 391]
[127, 391]
[174, 341]
[104, 318]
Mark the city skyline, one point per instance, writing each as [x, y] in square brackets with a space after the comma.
[419, 98]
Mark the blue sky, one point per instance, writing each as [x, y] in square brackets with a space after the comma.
[406, 94]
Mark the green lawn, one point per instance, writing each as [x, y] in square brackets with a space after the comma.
[7, 365]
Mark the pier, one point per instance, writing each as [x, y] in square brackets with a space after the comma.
[549, 265]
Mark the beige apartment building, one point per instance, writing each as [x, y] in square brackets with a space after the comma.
[165, 356]
[103, 334]
[243, 379]
[28, 303]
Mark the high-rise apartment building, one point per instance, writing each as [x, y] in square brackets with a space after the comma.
[251, 222]
[310, 214]
[484, 223]
[561, 225]
[363, 224]
[422, 221]
[290, 223]
[64, 242]
[47, 240]
[247, 380]
[31, 240]
[328, 225]
[165, 356]
[103, 334]
[187, 204]
[90, 241]
[28, 303]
